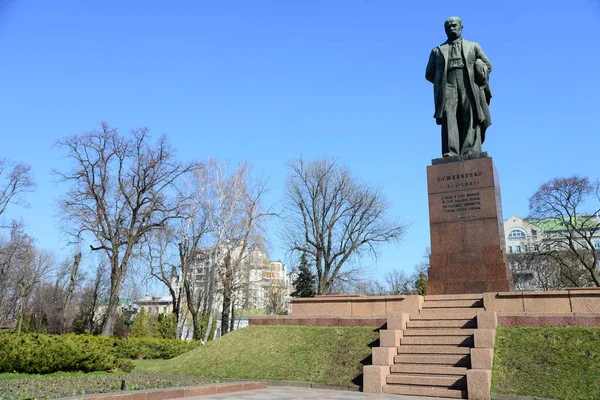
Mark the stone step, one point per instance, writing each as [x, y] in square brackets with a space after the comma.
[435, 297]
[429, 391]
[442, 323]
[428, 369]
[453, 304]
[438, 332]
[433, 350]
[435, 314]
[465, 341]
[451, 360]
[453, 381]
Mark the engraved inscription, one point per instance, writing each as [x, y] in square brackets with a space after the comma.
[459, 181]
[469, 201]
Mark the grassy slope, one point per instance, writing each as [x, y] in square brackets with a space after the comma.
[302, 353]
[557, 363]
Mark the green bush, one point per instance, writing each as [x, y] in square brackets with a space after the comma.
[143, 325]
[166, 326]
[39, 353]
[42, 354]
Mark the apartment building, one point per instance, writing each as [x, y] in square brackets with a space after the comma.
[529, 244]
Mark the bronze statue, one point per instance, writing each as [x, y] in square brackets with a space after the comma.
[459, 69]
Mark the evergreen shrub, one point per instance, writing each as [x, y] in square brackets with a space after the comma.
[43, 354]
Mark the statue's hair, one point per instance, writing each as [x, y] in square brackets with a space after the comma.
[448, 19]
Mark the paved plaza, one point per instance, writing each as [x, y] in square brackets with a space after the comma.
[289, 393]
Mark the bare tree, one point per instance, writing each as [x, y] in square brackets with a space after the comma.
[8, 255]
[368, 287]
[536, 270]
[51, 303]
[88, 319]
[22, 267]
[398, 283]
[243, 238]
[121, 189]
[234, 214]
[167, 255]
[216, 204]
[32, 265]
[275, 297]
[15, 180]
[569, 230]
[333, 218]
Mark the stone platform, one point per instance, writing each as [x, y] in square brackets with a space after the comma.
[440, 345]
[466, 225]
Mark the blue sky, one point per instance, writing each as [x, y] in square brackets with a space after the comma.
[271, 81]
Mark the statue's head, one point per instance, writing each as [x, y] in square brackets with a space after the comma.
[453, 27]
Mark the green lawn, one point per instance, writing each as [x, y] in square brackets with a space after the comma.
[31, 386]
[556, 363]
[7, 376]
[147, 365]
[331, 356]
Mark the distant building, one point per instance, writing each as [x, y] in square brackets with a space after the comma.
[258, 283]
[155, 305]
[527, 246]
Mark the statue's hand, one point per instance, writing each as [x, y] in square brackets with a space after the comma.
[438, 121]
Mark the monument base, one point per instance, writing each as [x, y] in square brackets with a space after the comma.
[466, 225]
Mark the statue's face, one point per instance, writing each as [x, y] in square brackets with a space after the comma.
[453, 27]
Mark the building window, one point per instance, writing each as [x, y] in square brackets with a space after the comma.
[533, 233]
[536, 248]
[597, 244]
[510, 249]
[517, 234]
[517, 249]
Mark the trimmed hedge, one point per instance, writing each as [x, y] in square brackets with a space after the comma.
[42, 354]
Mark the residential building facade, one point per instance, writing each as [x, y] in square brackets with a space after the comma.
[258, 283]
[531, 247]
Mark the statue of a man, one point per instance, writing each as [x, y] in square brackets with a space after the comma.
[459, 70]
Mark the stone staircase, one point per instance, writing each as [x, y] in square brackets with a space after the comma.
[434, 352]
[434, 347]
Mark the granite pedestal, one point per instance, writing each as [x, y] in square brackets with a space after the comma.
[467, 234]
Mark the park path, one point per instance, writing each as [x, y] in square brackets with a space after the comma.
[298, 393]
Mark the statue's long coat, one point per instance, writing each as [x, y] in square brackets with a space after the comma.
[437, 68]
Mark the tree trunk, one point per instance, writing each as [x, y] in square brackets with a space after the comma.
[113, 304]
[211, 317]
[196, 326]
[70, 290]
[20, 314]
[226, 300]
[225, 311]
[180, 323]
[232, 322]
[92, 312]
[176, 295]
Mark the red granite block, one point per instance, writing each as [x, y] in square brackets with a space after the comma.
[165, 394]
[200, 391]
[228, 388]
[467, 237]
[255, 385]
